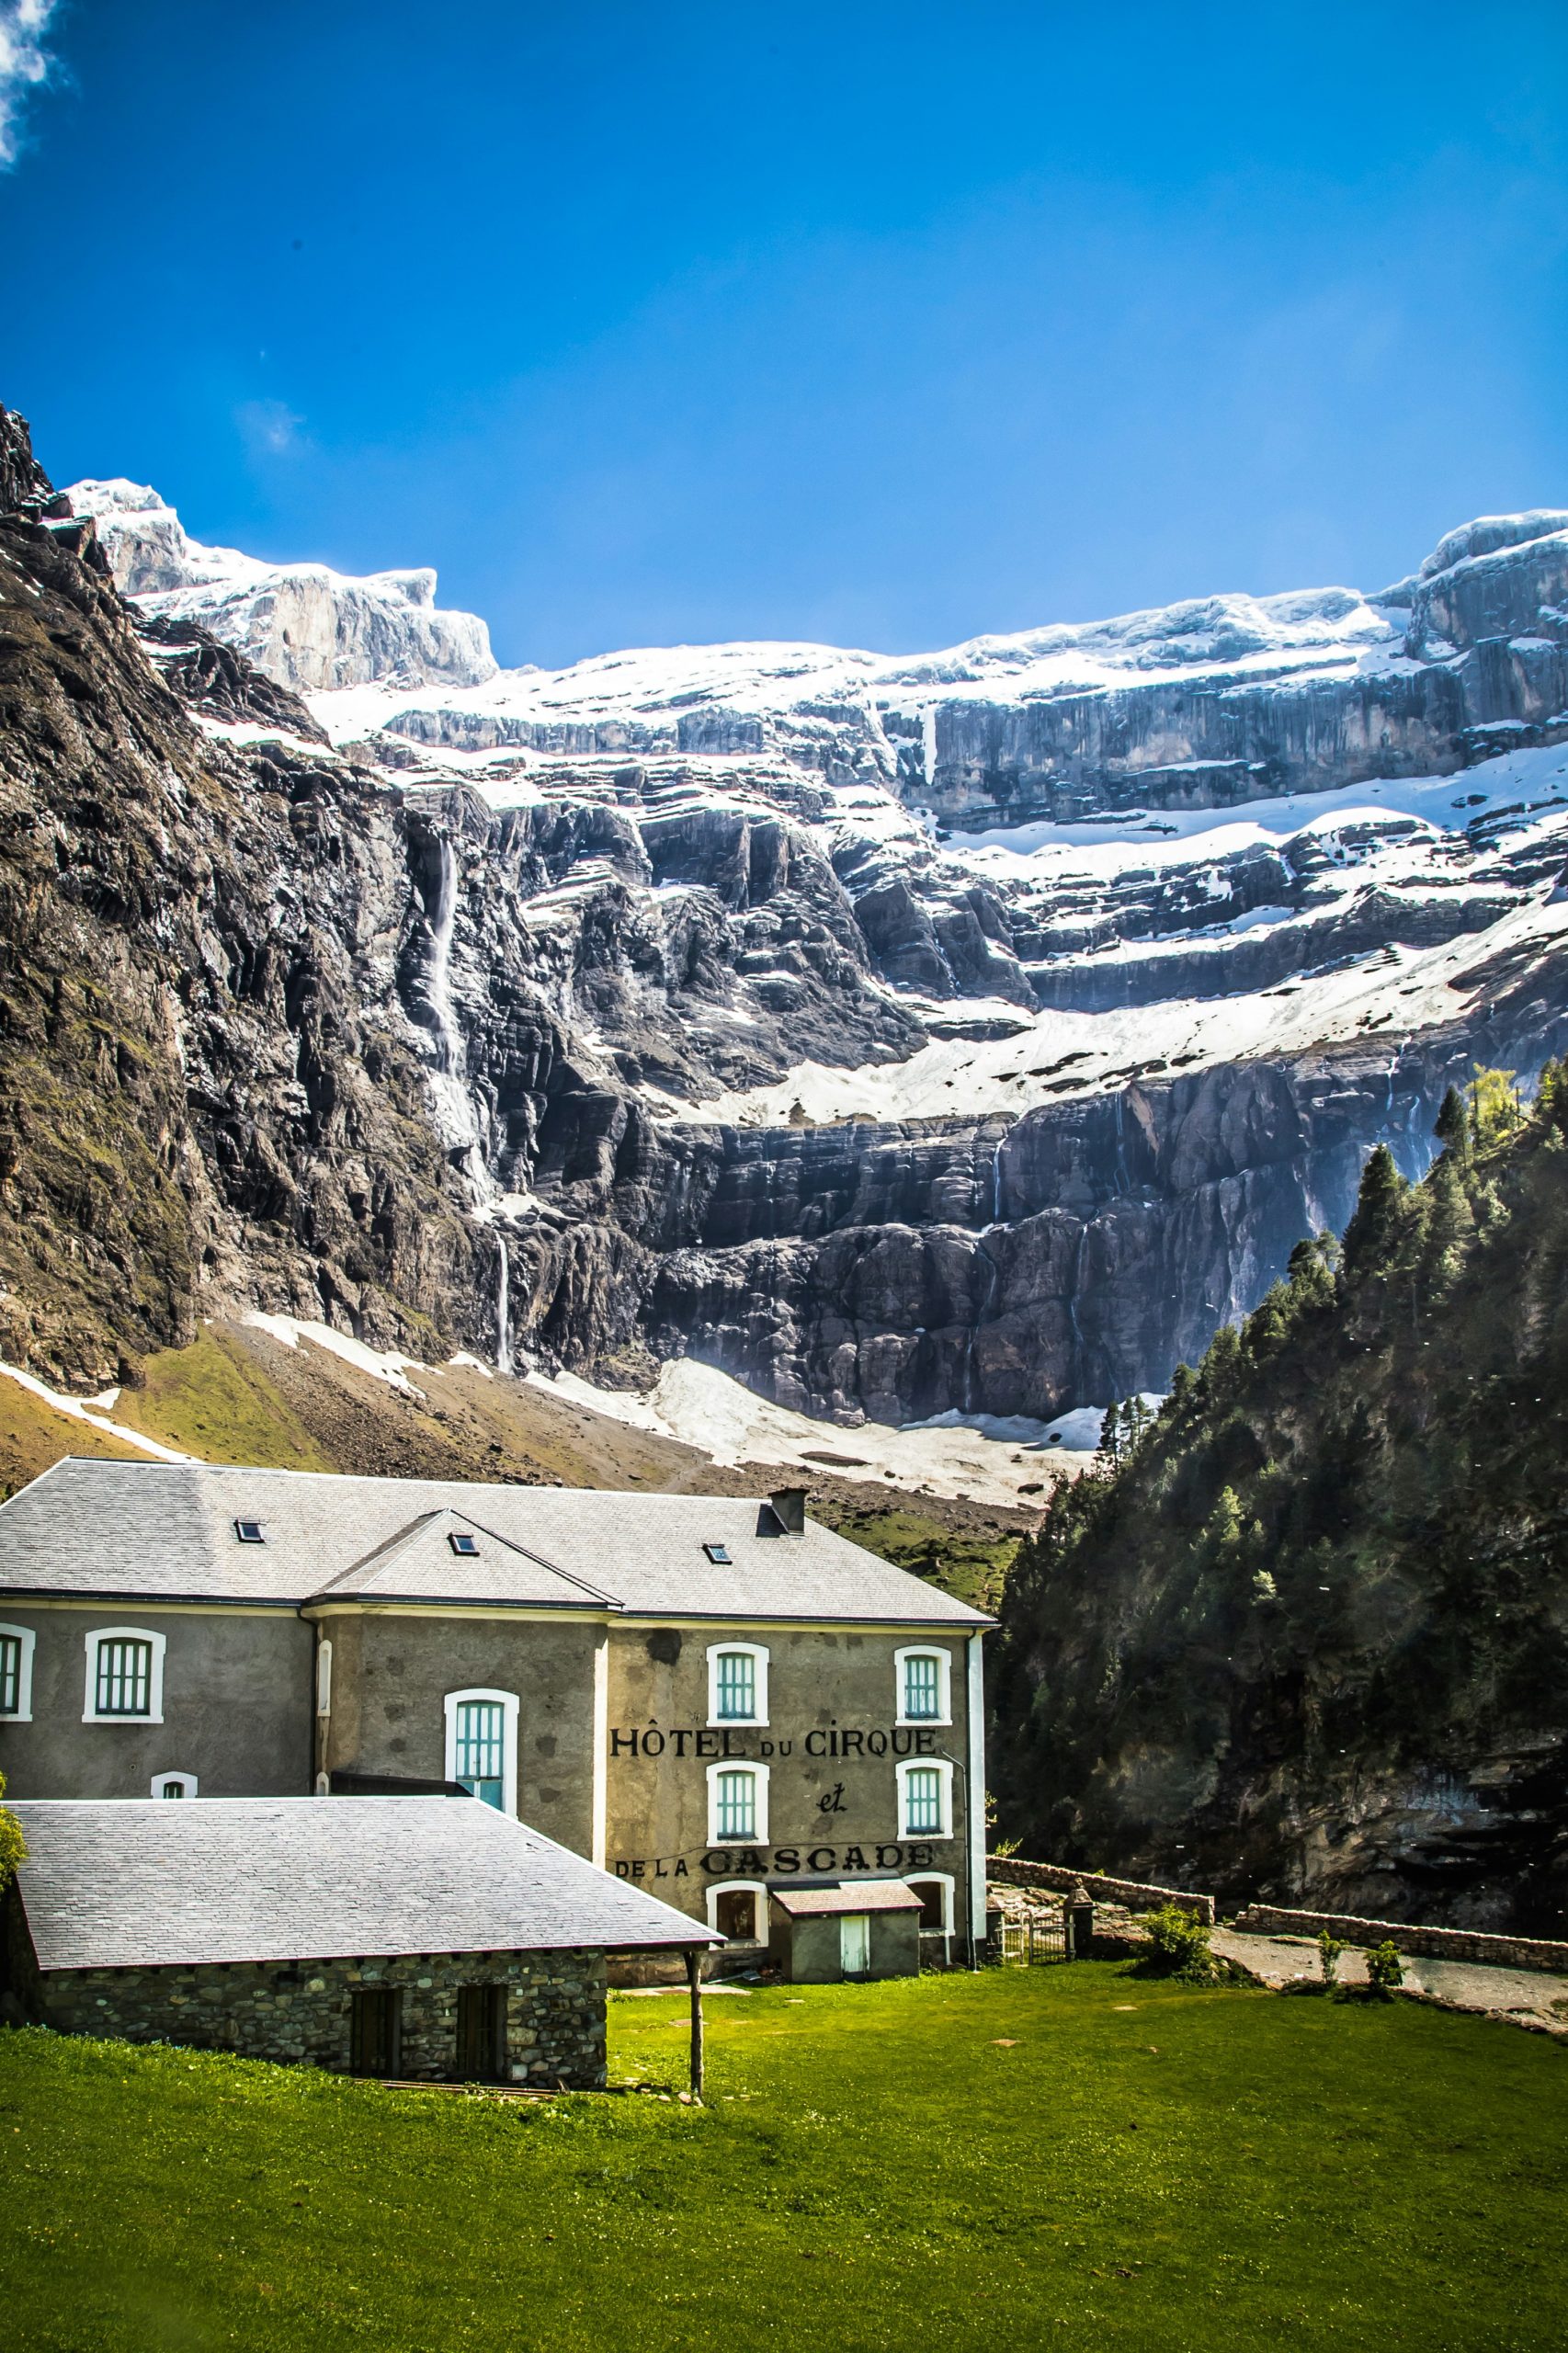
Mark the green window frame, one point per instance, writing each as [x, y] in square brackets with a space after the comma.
[482, 1749]
[736, 1687]
[124, 1685]
[10, 1675]
[923, 1802]
[736, 1804]
[922, 1688]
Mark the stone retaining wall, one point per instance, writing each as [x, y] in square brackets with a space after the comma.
[299, 2012]
[1131, 1896]
[1433, 1944]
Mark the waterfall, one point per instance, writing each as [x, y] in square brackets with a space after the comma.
[504, 1310]
[454, 1105]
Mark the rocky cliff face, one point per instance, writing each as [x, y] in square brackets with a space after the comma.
[630, 1012]
[209, 1085]
[306, 625]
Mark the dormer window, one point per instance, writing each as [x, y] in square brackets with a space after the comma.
[249, 1531]
[464, 1545]
[719, 1554]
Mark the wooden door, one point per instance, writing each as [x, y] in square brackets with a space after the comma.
[481, 2033]
[854, 1944]
[374, 2032]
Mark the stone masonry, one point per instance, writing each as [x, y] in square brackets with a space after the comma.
[301, 2012]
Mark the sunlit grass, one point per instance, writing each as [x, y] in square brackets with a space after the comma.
[1019, 2156]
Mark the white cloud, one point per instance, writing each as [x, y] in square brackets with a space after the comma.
[24, 64]
[268, 429]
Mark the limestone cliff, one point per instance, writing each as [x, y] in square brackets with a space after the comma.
[616, 1015]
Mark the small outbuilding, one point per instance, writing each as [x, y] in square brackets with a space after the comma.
[860, 1928]
[430, 1939]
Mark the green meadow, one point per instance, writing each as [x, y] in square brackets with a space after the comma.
[1067, 2156]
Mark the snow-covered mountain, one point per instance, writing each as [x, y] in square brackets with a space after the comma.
[305, 624]
[968, 1032]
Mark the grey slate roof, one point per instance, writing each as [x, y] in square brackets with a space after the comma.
[854, 1895]
[142, 1883]
[166, 1530]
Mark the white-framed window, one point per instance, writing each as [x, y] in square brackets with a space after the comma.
[737, 1908]
[924, 1685]
[482, 1745]
[737, 1805]
[17, 1644]
[935, 1889]
[924, 1798]
[173, 1785]
[125, 1675]
[737, 1683]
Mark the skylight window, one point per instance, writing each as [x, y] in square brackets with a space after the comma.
[249, 1531]
[464, 1544]
[719, 1554]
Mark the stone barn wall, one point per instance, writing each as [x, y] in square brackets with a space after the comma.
[299, 2013]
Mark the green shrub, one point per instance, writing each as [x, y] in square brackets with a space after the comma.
[1178, 1943]
[12, 1845]
[1383, 1970]
[1329, 1950]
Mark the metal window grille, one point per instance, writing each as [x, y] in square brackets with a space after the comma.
[737, 1805]
[482, 1748]
[10, 1673]
[921, 1687]
[923, 1803]
[738, 1684]
[125, 1679]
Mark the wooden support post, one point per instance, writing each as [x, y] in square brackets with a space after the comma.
[694, 1979]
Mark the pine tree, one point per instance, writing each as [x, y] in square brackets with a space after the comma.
[1452, 1126]
[1449, 1227]
[1373, 1233]
[1221, 1364]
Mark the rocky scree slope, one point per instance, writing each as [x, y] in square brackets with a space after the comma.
[1311, 1637]
[604, 1015]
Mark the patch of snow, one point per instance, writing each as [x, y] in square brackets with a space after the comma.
[953, 1456]
[1058, 1053]
[79, 1411]
[382, 1364]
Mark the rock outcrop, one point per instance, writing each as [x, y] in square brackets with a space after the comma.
[307, 626]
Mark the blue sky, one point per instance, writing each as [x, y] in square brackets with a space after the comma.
[882, 324]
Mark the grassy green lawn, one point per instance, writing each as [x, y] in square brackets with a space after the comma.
[1064, 2156]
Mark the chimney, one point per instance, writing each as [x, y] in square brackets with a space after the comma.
[787, 1505]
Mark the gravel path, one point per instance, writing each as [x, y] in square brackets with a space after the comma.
[1527, 1996]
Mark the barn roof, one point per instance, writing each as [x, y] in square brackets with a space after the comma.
[145, 1883]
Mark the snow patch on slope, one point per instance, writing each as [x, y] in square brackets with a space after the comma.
[984, 1458]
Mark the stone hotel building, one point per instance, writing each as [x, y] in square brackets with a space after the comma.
[712, 1697]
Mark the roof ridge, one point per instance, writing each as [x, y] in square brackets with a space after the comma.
[423, 1523]
[388, 1546]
